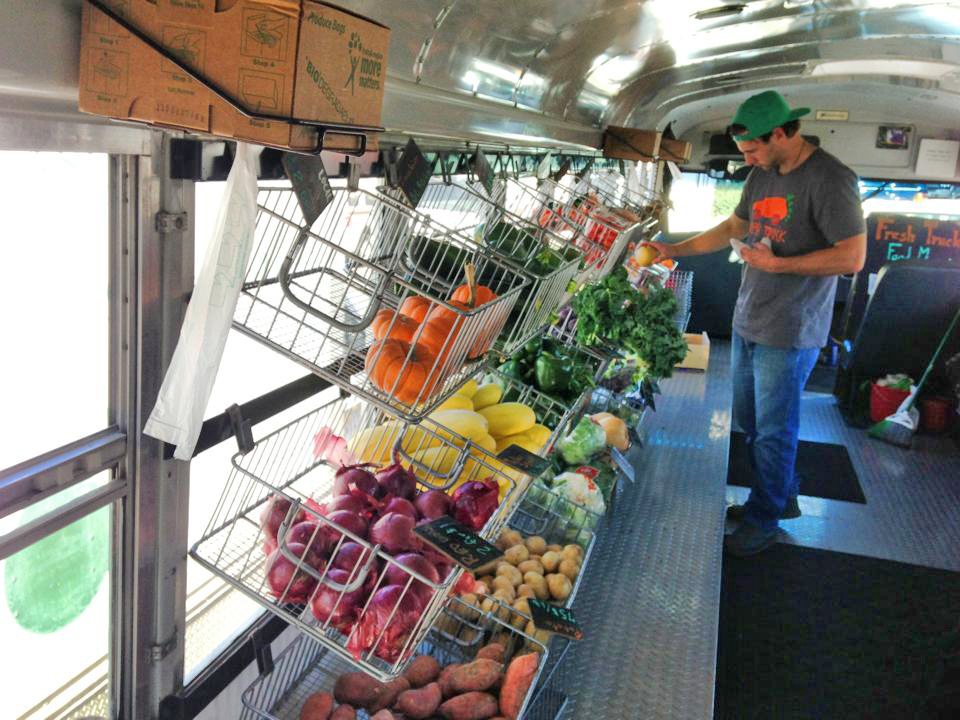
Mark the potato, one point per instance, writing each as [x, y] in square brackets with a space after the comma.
[389, 696]
[317, 707]
[536, 545]
[470, 706]
[487, 580]
[509, 538]
[383, 715]
[488, 605]
[422, 671]
[530, 566]
[505, 596]
[502, 582]
[551, 561]
[467, 613]
[570, 568]
[554, 547]
[344, 712]
[574, 552]
[491, 651]
[358, 689]
[516, 554]
[514, 575]
[523, 607]
[534, 557]
[444, 680]
[489, 569]
[538, 584]
[475, 676]
[559, 586]
[420, 704]
[525, 591]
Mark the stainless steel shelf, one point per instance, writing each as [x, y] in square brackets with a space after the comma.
[649, 602]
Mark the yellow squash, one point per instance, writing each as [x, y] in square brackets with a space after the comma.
[487, 395]
[508, 418]
[465, 423]
[456, 402]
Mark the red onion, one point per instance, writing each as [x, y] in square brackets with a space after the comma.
[474, 503]
[394, 531]
[404, 507]
[306, 533]
[274, 513]
[287, 583]
[433, 503]
[341, 608]
[402, 610]
[349, 521]
[346, 502]
[350, 477]
[396, 575]
[349, 555]
[397, 481]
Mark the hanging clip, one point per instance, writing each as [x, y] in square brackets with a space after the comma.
[444, 169]
[353, 175]
[390, 167]
[241, 429]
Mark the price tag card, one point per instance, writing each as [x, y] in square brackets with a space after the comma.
[523, 460]
[413, 172]
[554, 619]
[484, 171]
[310, 184]
[457, 542]
[624, 465]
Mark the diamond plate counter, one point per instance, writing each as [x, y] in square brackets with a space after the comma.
[650, 601]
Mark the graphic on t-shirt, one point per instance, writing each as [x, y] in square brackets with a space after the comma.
[767, 217]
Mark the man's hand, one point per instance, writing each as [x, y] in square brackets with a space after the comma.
[663, 250]
[761, 257]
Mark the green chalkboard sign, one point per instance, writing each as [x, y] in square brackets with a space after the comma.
[523, 460]
[413, 173]
[458, 542]
[310, 184]
[554, 619]
[484, 171]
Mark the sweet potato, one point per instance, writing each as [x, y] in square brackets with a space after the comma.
[516, 682]
[384, 715]
[491, 651]
[358, 689]
[344, 712]
[317, 707]
[477, 675]
[389, 696]
[420, 704]
[444, 680]
[470, 706]
[422, 671]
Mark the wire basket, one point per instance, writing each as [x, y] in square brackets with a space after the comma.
[372, 297]
[589, 227]
[284, 488]
[546, 259]
[306, 666]
[681, 283]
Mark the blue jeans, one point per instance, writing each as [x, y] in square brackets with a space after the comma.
[767, 384]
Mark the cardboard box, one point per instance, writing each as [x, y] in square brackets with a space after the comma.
[293, 58]
[631, 143]
[698, 352]
[677, 151]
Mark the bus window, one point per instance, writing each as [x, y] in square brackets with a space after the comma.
[700, 202]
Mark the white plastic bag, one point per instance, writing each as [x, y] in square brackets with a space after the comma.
[178, 415]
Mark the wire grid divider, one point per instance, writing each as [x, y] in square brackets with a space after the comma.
[284, 488]
[589, 227]
[326, 296]
[306, 666]
[680, 283]
[613, 191]
[546, 259]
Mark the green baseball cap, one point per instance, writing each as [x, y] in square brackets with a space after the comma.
[762, 113]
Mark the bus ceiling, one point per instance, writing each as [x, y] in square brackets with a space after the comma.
[532, 73]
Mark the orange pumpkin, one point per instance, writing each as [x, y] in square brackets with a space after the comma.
[406, 372]
[389, 323]
[440, 324]
[484, 295]
[415, 307]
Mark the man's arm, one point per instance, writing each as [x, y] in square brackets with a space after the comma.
[846, 256]
[716, 238]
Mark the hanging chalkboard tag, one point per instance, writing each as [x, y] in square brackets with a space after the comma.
[310, 184]
[554, 619]
[458, 542]
[523, 460]
[413, 173]
[564, 167]
[625, 466]
[484, 171]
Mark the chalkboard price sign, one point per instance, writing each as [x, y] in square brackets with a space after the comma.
[484, 171]
[310, 184]
[625, 466]
[554, 619]
[413, 173]
[457, 542]
[523, 460]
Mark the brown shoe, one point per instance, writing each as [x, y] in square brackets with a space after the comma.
[791, 510]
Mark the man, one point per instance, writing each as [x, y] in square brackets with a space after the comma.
[803, 226]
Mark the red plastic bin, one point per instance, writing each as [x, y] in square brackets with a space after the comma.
[884, 401]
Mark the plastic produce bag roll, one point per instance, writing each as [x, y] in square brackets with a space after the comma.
[178, 415]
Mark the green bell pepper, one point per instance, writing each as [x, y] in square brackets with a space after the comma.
[551, 372]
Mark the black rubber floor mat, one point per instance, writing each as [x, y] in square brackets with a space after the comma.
[822, 380]
[810, 634]
[825, 470]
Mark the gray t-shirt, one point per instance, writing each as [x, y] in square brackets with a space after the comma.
[809, 208]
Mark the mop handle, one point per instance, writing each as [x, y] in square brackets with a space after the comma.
[936, 354]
